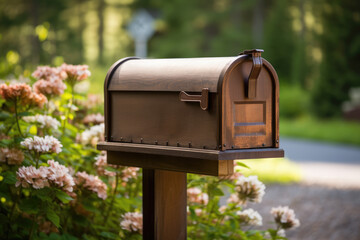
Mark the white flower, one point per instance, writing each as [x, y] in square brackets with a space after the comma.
[93, 135]
[285, 217]
[250, 217]
[45, 144]
[249, 189]
[43, 121]
[133, 222]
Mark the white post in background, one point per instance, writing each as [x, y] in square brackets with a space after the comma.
[141, 28]
[140, 48]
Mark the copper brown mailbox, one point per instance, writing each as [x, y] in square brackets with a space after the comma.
[191, 115]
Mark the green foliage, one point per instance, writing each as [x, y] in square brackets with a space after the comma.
[51, 211]
[331, 130]
[274, 170]
[293, 102]
[279, 39]
[340, 62]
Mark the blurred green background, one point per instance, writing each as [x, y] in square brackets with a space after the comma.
[313, 45]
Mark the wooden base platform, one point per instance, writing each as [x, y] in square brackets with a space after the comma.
[200, 161]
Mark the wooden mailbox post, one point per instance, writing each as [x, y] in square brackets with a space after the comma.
[177, 116]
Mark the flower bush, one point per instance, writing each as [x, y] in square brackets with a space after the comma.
[54, 184]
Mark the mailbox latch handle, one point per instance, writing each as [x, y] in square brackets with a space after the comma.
[251, 82]
[203, 98]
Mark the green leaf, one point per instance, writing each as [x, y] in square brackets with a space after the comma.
[9, 177]
[44, 194]
[63, 197]
[4, 115]
[108, 235]
[241, 164]
[217, 192]
[53, 217]
[5, 142]
[30, 205]
[24, 114]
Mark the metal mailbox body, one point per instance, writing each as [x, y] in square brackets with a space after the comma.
[193, 111]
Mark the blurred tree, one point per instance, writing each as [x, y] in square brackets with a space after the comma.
[340, 67]
[279, 39]
[299, 71]
[100, 11]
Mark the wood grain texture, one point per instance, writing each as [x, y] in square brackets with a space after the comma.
[249, 122]
[160, 118]
[178, 74]
[164, 205]
[210, 162]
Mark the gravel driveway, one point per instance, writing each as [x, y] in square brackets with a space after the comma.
[324, 212]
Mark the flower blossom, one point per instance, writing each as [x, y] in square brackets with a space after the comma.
[92, 183]
[249, 189]
[50, 81]
[132, 222]
[48, 73]
[93, 135]
[250, 217]
[93, 119]
[55, 175]
[194, 195]
[47, 144]
[129, 173]
[100, 166]
[43, 120]
[31, 176]
[92, 101]
[60, 176]
[75, 72]
[285, 217]
[11, 156]
[22, 93]
[14, 92]
[49, 88]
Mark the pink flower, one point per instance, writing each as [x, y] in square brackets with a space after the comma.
[101, 164]
[132, 222]
[49, 88]
[30, 176]
[195, 195]
[11, 156]
[55, 175]
[48, 73]
[92, 183]
[59, 175]
[93, 119]
[75, 72]
[92, 101]
[22, 93]
[129, 173]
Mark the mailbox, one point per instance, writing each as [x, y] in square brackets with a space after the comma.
[192, 114]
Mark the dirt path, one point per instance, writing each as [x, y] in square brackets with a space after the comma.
[324, 212]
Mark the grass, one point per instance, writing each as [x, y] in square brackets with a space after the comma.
[272, 170]
[331, 130]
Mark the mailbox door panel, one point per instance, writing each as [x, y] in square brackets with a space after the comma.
[249, 122]
[161, 118]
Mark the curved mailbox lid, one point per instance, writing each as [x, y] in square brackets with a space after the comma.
[179, 74]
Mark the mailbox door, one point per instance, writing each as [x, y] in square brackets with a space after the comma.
[249, 122]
